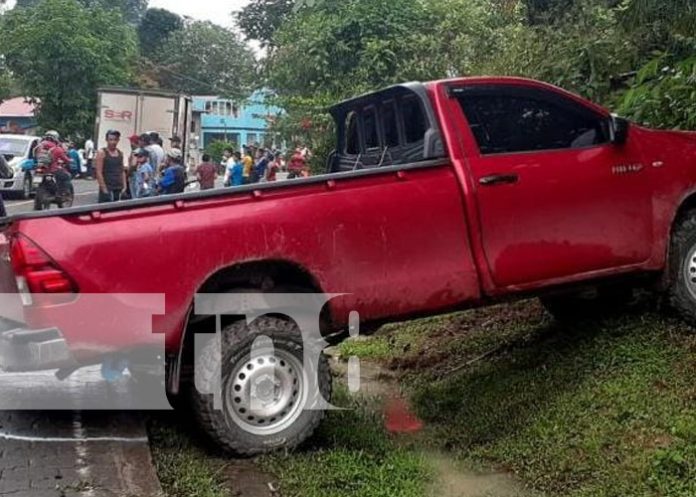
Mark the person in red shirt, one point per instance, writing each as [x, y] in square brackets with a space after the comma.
[206, 172]
[273, 168]
[297, 164]
[55, 160]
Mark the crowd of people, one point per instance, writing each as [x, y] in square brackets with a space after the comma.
[148, 170]
[152, 171]
[254, 165]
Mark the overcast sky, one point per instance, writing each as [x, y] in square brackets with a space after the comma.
[217, 11]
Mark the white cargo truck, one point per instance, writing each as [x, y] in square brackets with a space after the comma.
[134, 112]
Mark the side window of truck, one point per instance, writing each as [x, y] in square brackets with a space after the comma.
[516, 122]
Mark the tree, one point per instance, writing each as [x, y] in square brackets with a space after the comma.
[332, 49]
[5, 84]
[347, 47]
[205, 58]
[155, 28]
[132, 10]
[60, 53]
[260, 19]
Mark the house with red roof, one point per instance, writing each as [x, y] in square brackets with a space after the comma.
[17, 116]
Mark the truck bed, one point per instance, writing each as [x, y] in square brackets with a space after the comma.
[368, 234]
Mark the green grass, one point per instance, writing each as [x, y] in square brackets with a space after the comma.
[184, 467]
[351, 455]
[599, 409]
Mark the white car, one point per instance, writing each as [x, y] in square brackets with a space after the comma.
[18, 150]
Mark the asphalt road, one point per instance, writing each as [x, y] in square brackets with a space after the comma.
[86, 193]
[70, 452]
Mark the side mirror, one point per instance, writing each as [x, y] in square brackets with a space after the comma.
[619, 130]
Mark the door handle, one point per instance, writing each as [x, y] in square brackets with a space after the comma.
[499, 179]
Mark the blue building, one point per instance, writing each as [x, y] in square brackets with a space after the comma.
[239, 123]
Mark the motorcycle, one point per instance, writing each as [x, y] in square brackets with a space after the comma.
[47, 193]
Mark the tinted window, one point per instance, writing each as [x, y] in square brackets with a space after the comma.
[516, 123]
[389, 125]
[370, 126]
[414, 120]
[352, 136]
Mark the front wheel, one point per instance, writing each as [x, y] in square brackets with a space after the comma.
[268, 395]
[27, 186]
[682, 268]
[67, 199]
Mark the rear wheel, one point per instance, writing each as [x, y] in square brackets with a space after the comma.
[67, 199]
[682, 268]
[265, 393]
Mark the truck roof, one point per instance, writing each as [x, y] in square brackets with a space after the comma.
[139, 91]
[421, 88]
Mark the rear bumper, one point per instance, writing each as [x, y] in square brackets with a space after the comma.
[23, 350]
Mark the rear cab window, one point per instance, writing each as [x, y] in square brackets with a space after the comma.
[387, 128]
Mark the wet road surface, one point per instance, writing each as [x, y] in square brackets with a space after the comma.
[71, 452]
[85, 194]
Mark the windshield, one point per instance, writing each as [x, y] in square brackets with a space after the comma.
[13, 146]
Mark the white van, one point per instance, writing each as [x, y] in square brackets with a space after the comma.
[18, 151]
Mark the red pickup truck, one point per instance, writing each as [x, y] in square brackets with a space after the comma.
[439, 196]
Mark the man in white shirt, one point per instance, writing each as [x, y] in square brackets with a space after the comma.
[90, 154]
[156, 151]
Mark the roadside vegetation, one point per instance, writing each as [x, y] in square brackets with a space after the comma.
[601, 408]
[635, 56]
[351, 455]
[185, 467]
[595, 409]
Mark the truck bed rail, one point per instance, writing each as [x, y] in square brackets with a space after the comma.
[220, 192]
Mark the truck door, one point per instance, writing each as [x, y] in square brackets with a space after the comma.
[556, 198]
[158, 114]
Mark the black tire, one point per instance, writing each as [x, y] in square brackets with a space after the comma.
[573, 307]
[682, 268]
[67, 200]
[237, 340]
[42, 199]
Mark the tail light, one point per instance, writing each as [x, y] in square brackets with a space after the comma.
[37, 274]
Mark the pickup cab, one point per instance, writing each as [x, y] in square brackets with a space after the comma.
[440, 196]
